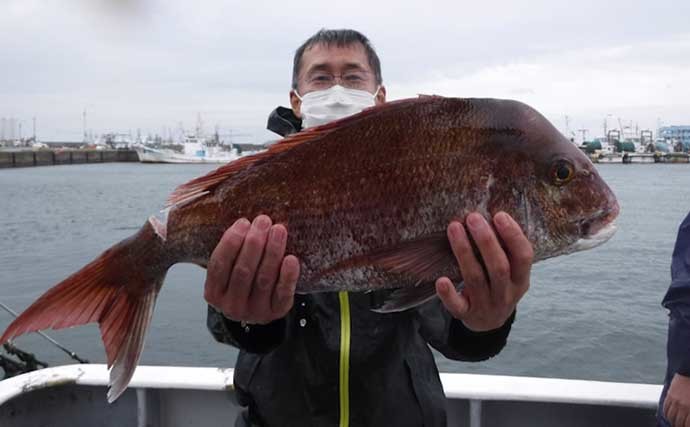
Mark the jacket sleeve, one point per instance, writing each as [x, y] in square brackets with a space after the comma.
[250, 338]
[677, 301]
[450, 336]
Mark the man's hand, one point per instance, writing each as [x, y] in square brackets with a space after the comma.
[248, 277]
[677, 402]
[485, 303]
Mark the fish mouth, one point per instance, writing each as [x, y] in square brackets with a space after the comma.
[598, 229]
[601, 236]
[593, 226]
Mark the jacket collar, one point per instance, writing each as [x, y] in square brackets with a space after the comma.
[283, 122]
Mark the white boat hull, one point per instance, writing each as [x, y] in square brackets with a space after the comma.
[610, 158]
[151, 155]
[181, 396]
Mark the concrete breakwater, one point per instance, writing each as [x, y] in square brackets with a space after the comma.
[25, 158]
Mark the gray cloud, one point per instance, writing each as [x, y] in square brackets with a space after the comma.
[151, 64]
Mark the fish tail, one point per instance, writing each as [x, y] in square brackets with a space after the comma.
[118, 290]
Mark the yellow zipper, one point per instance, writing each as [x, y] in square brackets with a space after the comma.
[344, 359]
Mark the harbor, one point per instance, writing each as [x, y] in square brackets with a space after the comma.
[183, 146]
[622, 144]
[627, 144]
[640, 158]
[672, 146]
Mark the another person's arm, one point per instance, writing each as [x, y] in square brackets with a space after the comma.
[677, 402]
[676, 407]
[250, 285]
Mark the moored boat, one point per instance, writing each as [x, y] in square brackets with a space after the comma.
[194, 150]
[153, 155]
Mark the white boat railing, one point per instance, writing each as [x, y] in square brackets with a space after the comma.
[476, 389]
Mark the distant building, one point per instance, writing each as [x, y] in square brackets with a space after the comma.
[676, 134]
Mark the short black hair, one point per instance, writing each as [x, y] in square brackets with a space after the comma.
[339, 38]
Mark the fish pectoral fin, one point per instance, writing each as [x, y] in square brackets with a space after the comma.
[421, 260]
[405, 298]
[424, 259]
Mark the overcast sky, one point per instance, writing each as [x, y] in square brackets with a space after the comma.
[151, 64]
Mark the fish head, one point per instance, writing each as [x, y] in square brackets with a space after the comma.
[579, 208]
[560, 200]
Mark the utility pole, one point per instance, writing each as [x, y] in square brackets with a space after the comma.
[34, 120]
[84, 122]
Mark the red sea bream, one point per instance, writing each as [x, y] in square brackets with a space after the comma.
[366, 201]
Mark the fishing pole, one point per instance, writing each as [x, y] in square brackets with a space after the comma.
[69, 352]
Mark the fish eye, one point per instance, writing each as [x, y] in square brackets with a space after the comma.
[562, 172]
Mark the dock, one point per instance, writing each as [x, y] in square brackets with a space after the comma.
[639, 158]
[54, 157]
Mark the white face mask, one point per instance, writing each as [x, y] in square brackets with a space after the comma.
[324, 106]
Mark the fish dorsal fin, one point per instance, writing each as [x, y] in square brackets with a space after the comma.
[211, 180]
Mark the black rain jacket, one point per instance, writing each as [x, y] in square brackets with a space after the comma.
[332, 361]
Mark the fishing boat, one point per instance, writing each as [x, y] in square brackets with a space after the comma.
[193, 396]
[195, 150]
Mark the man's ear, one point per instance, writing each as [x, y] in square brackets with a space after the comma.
[381, 96]
[295, 103]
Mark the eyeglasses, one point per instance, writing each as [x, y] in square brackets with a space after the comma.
[354, 79]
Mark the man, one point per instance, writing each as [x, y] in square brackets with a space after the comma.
[674, 406]
[327, 359]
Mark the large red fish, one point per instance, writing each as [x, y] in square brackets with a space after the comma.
[366, 200]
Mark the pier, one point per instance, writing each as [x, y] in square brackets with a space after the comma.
[641, 158]
[27, 158]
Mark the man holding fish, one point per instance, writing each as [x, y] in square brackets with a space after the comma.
[403, 197]
[327, 359]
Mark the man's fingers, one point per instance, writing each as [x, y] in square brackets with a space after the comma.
[493, 255]
[471, 269]
[456, 304]
[284, 292]
[671, 411]
[519, 248]
[667, 406]
[682, 417]
[242, 276]
[222, 260]
[259, 304]
[267, 274]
